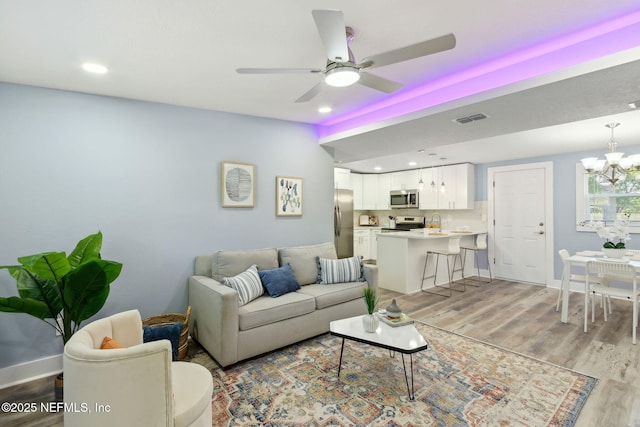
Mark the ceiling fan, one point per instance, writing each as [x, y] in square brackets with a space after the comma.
[342, 69]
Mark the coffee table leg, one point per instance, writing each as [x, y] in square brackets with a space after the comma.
[340, 363]
[411, 392]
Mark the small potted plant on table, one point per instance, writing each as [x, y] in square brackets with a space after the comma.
[369, 321]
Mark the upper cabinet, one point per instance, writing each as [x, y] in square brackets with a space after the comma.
[382, 189]
[404, 180]
[371, 191]
[341, 178]
[454, 188]
[355, 180]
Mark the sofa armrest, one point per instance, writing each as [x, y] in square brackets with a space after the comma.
[214, 321]
[370, 272]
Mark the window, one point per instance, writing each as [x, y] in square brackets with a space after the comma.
[607, 203]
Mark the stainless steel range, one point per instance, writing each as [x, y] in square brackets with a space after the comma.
[406, 223]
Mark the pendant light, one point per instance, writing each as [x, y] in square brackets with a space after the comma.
[420, 182]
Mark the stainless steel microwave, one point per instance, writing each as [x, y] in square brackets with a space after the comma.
[403, 199]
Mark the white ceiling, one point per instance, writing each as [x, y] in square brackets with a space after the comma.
[186, 53]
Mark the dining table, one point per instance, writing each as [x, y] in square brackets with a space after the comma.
[580, 260]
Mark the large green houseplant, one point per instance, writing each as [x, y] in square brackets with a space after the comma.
[63, 290]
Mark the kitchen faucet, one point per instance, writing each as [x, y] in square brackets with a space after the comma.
[432, 221]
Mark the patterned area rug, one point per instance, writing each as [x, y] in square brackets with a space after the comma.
[459, 381]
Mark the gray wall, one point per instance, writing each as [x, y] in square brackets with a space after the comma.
[564, 204]
[147, 176]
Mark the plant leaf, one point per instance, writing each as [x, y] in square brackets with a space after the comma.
[87, 287]
[35, 288]
[86, 249]
[49, 265]
[25, 305]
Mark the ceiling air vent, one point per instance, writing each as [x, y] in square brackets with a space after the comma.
[471, 118]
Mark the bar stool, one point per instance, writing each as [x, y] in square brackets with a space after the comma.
[481, 245]
[452, 249]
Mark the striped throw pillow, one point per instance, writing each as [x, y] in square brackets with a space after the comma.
[340, 270]
[247, 284]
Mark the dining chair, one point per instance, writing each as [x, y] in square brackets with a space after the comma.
[573, 278]
[452, 250]
[614, 272]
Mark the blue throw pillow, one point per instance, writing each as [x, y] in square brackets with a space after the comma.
[164, 332]
[279, 281]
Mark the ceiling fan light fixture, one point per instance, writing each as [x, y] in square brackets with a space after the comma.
[341, 76]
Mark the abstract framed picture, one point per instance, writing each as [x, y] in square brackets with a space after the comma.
[288, 196]
[238, 185]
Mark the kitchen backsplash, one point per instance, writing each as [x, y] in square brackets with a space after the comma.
[475, 219]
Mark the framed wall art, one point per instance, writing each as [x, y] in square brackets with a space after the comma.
[288, 196]
[238, 185]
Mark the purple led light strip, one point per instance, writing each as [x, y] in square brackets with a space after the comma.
[597, 41]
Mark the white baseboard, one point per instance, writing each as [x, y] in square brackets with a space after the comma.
[30, 371]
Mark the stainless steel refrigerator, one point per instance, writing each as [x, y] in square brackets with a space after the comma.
[343, 222]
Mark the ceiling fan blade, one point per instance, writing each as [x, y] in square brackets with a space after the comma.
[311, 93]
[332, 31]
[413, 51]
[378, 83]
[276, 70]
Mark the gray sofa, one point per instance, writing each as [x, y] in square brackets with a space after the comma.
[231, 333]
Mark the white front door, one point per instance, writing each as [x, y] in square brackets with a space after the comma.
[522, 245]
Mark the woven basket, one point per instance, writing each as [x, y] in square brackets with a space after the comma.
[170, 318]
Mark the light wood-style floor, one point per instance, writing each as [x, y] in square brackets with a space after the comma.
[519, 317]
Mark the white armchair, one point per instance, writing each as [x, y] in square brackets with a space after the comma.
[137, 385]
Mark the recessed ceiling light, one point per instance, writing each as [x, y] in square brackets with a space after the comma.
[95, 68]
[324, 110]
[412, 163]
[377, 168]
[634, 104]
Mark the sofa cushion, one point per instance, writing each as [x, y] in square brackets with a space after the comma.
[329, 295]
[266, 310]
[247, 284]
[340, 270]
[231, 263]
[303, 260]
[279, 281]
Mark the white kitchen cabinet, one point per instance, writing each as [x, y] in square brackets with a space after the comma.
[428, 198]
[341, 178]
[370, 192]
[361, 243]
[365, 243]
[458, 191]
[373, 245]
[382, 191]
[459, 187]
[355, 180]
[405, 180]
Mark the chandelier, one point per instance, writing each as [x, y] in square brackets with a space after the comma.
[615, 167]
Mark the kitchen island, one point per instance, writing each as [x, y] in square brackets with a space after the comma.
[401, 257]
